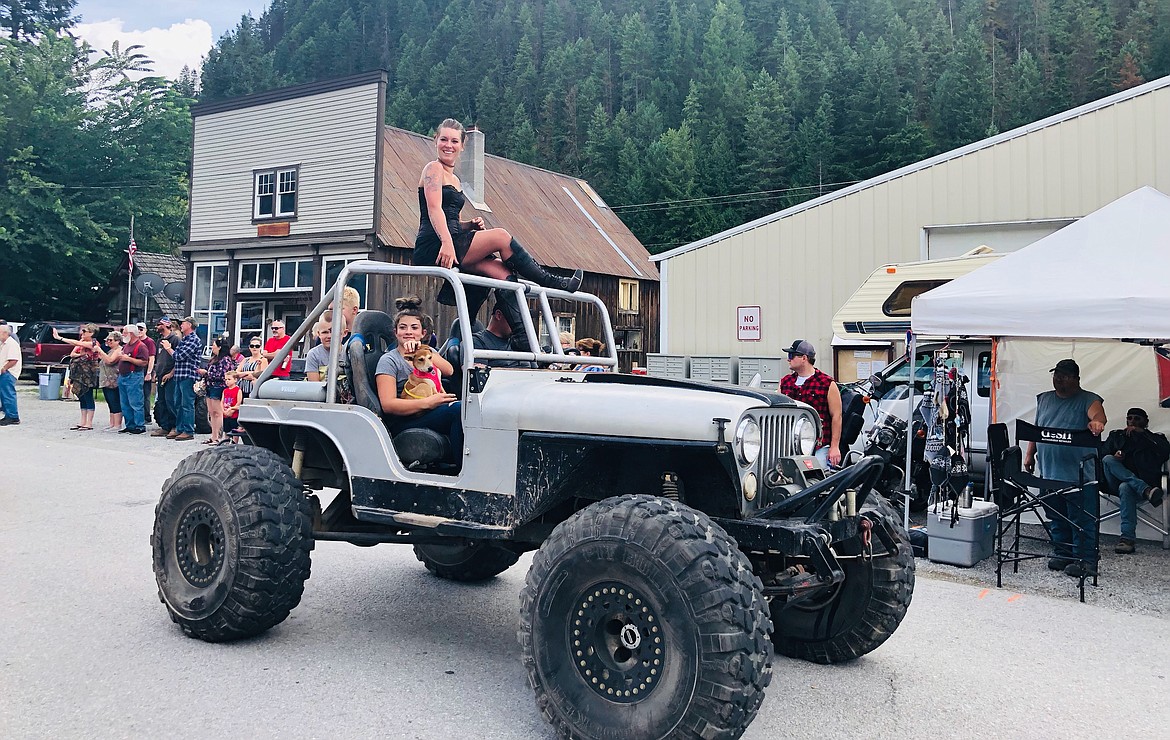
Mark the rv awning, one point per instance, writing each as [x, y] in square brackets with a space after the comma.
[1105, 276]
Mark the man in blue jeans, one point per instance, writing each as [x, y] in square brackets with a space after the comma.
[131, 370]
[181, 387]
[10, 366]
[1072, 516]
[1132, 460]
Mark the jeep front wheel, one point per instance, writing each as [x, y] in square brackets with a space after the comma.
[641, 618]
[231, 542]
[860, 613]
[476, 562]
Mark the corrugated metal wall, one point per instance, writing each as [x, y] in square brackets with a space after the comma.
[800, 269]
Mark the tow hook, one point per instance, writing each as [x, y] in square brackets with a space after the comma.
[865, 529]
[721, 443]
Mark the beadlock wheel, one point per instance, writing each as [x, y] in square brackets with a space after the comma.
[618, 642]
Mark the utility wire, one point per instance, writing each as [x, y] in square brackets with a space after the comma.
[712, 199]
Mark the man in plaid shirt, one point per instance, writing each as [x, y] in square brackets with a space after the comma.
[181, 384]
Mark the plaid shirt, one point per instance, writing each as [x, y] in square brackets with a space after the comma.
[187, 356]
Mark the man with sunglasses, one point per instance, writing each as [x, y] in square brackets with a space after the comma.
[274, 344]
[1132, 460]
[818, 389]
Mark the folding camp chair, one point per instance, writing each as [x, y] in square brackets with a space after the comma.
[1158, 519]
[1053, 502]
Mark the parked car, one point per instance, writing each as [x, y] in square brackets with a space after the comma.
[40, 351]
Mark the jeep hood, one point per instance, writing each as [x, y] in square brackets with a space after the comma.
[615, 405]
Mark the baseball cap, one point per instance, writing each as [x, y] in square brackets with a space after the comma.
[1067, 367]
[801, 347]
[1135, 411]
[164, 321]
[190, 320]
[141, 327]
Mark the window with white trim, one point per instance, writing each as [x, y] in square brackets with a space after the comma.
[275, 193]
[257, 276]
[628, 296]
[251, 320]
[331, 268]
[294, 274]
[566, 322]
[209, 295]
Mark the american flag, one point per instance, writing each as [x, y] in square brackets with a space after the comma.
[131, 250]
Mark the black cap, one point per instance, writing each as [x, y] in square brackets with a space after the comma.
[1067, 367]
[1135, 411]
[801, 347]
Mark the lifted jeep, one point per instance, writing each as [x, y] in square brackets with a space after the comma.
[682, 530]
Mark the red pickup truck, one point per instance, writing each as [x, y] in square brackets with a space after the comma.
[39, 350]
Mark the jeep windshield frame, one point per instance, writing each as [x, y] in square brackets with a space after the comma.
[469, 355]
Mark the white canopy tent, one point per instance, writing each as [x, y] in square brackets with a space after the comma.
[1106, 276]
[1071, 294]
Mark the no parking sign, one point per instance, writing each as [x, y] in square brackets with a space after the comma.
[748, 323]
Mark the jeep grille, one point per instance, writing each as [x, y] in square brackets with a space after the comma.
[776, 438]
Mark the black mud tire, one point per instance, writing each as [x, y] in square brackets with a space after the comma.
[652, 597]
[860, 613]
[231, 542]
[467, 563]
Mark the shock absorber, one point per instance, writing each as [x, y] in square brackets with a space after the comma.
[671, 485]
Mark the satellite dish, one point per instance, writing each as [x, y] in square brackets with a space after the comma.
[148, 283]
[175, 291]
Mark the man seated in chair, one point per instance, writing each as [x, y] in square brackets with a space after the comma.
[1071, 519]
[1133, 458]
[497, 335]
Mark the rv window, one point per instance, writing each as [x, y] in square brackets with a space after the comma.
[983, 384]
[898, 304]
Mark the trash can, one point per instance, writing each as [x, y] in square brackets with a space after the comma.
[50, 386]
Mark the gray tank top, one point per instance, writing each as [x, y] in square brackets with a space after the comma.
[1058, 462]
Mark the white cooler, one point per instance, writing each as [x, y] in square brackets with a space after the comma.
[970, 540]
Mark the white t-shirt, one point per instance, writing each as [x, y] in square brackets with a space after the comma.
[800, 379]
[10, 350]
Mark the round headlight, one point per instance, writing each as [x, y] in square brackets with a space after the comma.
[804, 436]
[747, 440]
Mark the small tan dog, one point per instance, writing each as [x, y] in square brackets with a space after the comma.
[424, 380]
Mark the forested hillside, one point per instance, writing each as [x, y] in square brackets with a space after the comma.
[691, 116]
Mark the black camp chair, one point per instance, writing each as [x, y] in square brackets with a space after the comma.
[1021, 494]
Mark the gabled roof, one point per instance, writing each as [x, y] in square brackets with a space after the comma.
[554, 216]
[1053, 120]
[170, 268]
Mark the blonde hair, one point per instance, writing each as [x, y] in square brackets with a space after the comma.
[454, 125]
[350, 298]
[566, 338]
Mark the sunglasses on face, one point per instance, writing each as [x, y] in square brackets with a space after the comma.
[254, 346]
[794, 354]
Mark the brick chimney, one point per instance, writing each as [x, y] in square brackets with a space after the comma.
[470, 168]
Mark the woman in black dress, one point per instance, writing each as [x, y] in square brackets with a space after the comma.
[446, 241]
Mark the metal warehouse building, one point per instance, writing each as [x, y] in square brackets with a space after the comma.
[798, 266]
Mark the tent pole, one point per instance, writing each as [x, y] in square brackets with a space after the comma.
[910, 349]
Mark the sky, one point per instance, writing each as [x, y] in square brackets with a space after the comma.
[173, 33]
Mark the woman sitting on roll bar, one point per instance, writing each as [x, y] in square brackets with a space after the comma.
[446, 241]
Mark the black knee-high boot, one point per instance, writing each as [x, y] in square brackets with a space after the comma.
[510, 307]
[522, 264]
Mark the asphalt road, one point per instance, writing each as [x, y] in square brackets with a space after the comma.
[379, 648]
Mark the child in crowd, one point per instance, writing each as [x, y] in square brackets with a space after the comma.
[231, 406]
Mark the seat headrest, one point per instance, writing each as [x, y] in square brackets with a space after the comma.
[456, 333]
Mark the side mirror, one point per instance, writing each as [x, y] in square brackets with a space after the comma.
[875, 383]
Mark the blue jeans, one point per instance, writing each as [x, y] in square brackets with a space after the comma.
[1129, 489]
[133, 403]
[1072, 524]
[444, 420]
[8, 395]
[182, 402]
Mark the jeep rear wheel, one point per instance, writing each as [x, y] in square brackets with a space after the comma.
[477, 562]
[641, 618]
[860, 613]
[231, 543]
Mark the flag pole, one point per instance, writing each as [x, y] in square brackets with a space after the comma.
[130, 270]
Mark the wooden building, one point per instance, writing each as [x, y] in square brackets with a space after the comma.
[290, 185]
[147, 308]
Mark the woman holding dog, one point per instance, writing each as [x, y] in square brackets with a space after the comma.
[438, 412]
